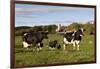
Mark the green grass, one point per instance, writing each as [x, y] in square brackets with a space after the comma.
[28, 57]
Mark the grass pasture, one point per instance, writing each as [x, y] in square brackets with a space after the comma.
[28, 57]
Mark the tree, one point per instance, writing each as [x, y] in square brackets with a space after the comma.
[89, 28]
[74, 26]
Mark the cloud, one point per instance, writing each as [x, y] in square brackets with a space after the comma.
[48, 9]
[29, 11]
[39, 9]
[26, 16]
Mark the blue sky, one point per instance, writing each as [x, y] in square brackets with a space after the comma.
[31, 15]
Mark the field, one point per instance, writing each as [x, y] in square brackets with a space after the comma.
[28, 57]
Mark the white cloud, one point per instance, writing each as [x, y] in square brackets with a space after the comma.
[43, 9]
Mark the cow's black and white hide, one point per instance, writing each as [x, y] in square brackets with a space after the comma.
[73, 38]
[54, 45]
[34, 39]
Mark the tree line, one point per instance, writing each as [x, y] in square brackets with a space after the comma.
[22, 29]
[89, 28]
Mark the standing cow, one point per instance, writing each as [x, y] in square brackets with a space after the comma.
[34, 39]
[73, 38]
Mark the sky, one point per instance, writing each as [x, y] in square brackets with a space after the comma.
[34, 15]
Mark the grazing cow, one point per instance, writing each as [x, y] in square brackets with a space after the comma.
[34, 39]
[73, 38]
[54, 44]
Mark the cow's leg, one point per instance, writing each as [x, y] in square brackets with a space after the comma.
[65, 43]
[73, 45]
[34, 46]
[78, 42]
[39, 46]
[78, 47]
[64, 46]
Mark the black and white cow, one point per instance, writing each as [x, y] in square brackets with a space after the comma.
[73, 38]
[54, 44]
[34, 39]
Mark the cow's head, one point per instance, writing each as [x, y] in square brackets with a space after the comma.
[45, 34]
[80, 31]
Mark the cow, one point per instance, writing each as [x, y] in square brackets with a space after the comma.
[73, 38]
[34, 39]
[54, 44]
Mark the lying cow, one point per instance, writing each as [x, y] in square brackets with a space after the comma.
[73, 38]
[34, 39]
[54, 44]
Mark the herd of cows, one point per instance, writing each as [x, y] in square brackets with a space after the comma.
[35, 39]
